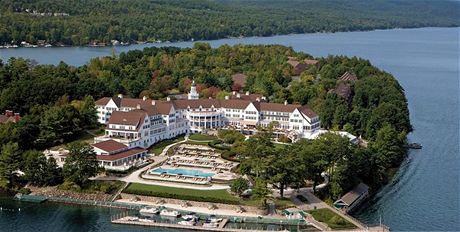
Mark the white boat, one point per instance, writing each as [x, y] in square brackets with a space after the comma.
[146, 220]
[169, 213]
[149, 211]
[132, 218]
[210, 224]
[187, 223]
[190, 216]
[213, 219]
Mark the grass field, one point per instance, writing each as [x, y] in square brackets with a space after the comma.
[202, 137]
[332, 219]
[158, 148]
[216, 196]
[283, 203]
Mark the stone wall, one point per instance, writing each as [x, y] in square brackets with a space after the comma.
[54, 192]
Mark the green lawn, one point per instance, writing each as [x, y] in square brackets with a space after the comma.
[216, 196]
[283, 203]
[158, 148]
[202, 137]
[332, 219]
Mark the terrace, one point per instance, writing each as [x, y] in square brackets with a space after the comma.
[192, 164]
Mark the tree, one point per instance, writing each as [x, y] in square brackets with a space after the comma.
[388, 146]
[239, 185]
[41, 171]
[261, 191]
[230, 136]
[80, 164]
[88, 112]
[284, 169]
[10, 160]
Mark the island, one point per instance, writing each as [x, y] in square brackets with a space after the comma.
[251, 133]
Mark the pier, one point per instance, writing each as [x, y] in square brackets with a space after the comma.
[128, 221]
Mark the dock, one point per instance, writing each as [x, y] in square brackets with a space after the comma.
[127, 221]
[223, 223]
[31, 198]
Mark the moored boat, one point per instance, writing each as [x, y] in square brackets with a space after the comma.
[149, 211]
[187, 223]
[414, 146]
[190, 216]
[169, 213]
[210, 224]
[213, 219]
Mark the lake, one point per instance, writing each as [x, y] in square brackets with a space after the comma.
[425, 192]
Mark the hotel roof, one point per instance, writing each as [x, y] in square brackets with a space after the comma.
[110, 146]
[121, 155]
[132, 118]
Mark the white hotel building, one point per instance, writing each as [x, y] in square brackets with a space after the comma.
[144, 122]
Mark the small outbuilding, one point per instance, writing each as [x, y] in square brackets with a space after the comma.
[353, 198]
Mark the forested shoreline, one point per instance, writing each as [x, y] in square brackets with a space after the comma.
[84, 22]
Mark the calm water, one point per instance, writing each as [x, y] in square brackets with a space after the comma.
[424, 194]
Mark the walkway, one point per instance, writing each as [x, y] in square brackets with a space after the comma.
[315, 202]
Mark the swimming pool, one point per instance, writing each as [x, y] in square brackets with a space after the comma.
[185, 172]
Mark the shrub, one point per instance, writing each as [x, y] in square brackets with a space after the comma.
[216, 144]
[24, 191]
[69, 185]
[230, 156]
[239, 185]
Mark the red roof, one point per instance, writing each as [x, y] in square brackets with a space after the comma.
[131, 118]
[307, 111]
[103, 101]
[310, 62]
[121, 155]
[110, 146]
[289, 108]
[239, 79]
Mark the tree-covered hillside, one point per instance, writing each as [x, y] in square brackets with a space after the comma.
[81, 22]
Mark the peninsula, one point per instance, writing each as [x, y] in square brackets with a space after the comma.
[257, 132]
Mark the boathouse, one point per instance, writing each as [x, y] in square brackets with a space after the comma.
[353, 198]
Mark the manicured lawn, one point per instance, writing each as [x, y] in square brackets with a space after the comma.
[333, 220]
[217, 196]
[283, 203]
[158, 148]
[202, 137]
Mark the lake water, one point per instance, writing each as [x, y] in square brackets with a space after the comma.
[424, 194]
